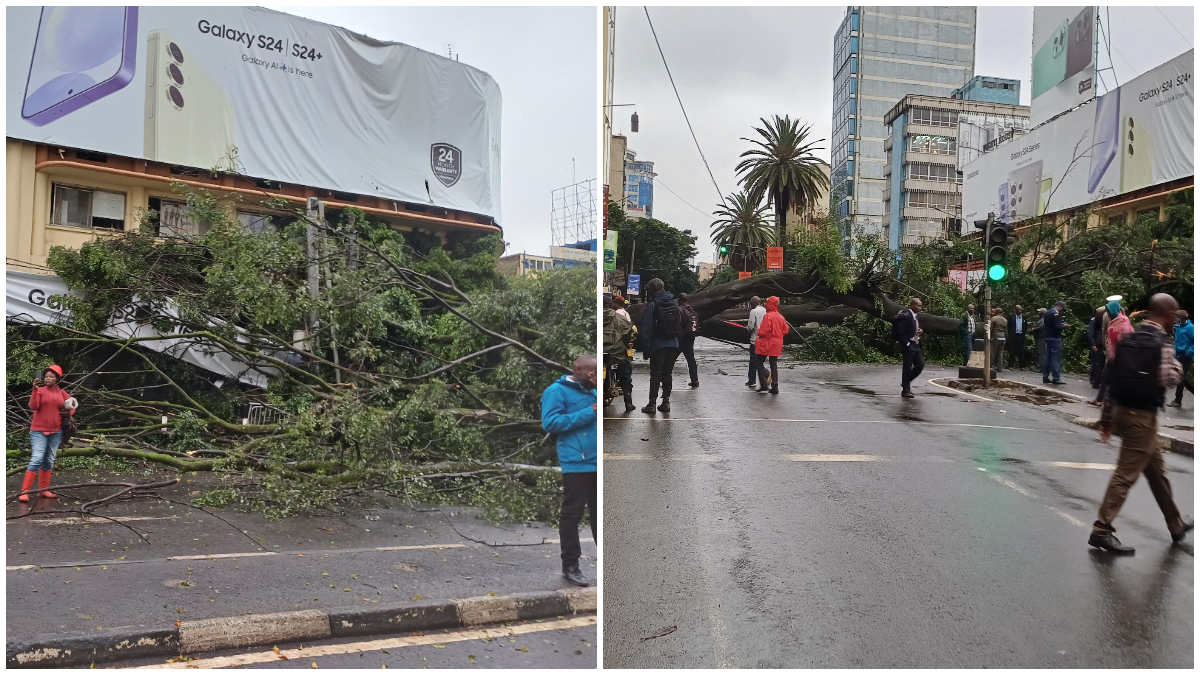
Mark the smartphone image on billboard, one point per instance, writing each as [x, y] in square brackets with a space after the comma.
[80, 55]
[1106, 136]
[1044, 193]
[1005, 214]
[1050, 61]
[1024, 191]
[1080, 44]
[189, 120]
[1136, 166]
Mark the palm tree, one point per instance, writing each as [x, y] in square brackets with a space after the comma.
[741, 225]
[783, 166]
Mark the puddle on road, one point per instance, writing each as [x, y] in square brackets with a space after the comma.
[910, 418]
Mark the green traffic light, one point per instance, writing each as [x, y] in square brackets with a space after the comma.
[997, 272]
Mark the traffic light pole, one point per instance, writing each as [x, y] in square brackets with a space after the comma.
[987, 332]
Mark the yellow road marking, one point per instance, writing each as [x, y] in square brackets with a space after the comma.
[309, 653]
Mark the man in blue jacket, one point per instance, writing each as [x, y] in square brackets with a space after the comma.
[569, 411]
[1054, 332]
[1185, 352]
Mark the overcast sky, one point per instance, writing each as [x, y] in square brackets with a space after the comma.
[735, 65]
[544, 59]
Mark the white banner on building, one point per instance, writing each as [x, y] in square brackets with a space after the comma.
[302, 102]
[29, 298]
[1138, 135]
[1064, 60]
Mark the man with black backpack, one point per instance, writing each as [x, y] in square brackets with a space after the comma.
[660, 341]
[689, 328]
[1138, 377]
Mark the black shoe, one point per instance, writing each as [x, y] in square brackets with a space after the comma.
[750, 384]
[1056, 382]
[1187, 527]
[572, 574]
[649, 409]
[1175, 404]
[665, 407]
[629, 406]
[1044, 381]
[695, 384]
[907, 394]
[1110, 543]
[762, 389]
[774, 390]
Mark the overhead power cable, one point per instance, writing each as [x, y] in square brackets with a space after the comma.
[659, 182]
[677, 98]
[1164, 16]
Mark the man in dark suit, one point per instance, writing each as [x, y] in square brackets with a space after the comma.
[1018, 328]
[908, 334]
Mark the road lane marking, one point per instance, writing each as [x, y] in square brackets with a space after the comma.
[695, 458]
[800, 421]
[1080, 465]
[835, 458]
[309, 653]
[1068, 517]
[98, 521]
[1005, 482]
[252, 554]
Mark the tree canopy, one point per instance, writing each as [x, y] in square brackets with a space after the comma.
[661, 250]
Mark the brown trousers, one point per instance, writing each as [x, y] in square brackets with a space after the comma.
[1140, 454]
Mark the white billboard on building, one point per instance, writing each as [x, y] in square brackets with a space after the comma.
[1138, 135]
[1064, 60]
[271, 95]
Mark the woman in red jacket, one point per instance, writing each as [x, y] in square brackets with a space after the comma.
[48, 403]
[770, 344]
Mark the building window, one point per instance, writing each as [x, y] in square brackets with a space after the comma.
[854, 45]
[1150, 212]
[851, 127]
[936, 172]
[936, 145]
[853, 106]
[936, 118]
[940, 200]
[854, 21]
[850, 149]
[261, 222]
[1116, 220]
[82, 207]
[854, 85]
[174, 219]
[853, 65]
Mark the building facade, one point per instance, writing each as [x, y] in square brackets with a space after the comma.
[639, 186]
[561, 257]
[808, 217]
[924, 152]
[881, 55]
[61, 196]
[990, 90]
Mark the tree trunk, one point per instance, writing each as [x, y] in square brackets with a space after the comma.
[862, 296]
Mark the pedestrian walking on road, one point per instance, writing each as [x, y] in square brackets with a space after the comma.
[689, 328]
[999, 337]
[1140, 374]
[1054, 329]
[48, 403]
[660, 341]
[1095, 338]
[757, 312]
[1017, 329]
[770, 344]
[966, 333]
[1118, 326]
[1185, 351]
[618, 348]
[1039, 338]
[569, 410]
[907, 331]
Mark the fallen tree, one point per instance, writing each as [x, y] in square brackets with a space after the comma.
[387, 353]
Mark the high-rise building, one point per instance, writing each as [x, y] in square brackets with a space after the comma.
[639, 186]
[881, 55]
[929, 140]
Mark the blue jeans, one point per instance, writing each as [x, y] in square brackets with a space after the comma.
[1053, 363]
[45, 448]
[753, 365]
[967, 344]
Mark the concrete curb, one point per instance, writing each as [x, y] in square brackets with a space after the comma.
[189, 637]
[1165, 441]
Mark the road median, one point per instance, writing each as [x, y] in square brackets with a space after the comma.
[205, 635]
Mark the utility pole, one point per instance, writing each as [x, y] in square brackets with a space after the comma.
[316, 213]
[987, 310]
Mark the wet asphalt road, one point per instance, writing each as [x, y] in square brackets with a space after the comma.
[523, 644]
[944, 545]
[68, 576]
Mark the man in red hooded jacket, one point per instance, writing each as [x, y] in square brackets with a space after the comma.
[770, 344]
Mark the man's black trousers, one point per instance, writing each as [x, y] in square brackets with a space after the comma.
[579, 490]
[914, 363]
[662, 361]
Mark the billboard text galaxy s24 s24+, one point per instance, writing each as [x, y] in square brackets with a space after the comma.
[189, 120]
[80, 55]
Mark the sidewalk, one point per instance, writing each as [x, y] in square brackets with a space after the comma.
[1175, 426]
[67, 577]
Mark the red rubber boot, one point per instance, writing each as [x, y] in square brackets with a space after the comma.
[30, 477]
[43, 483]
